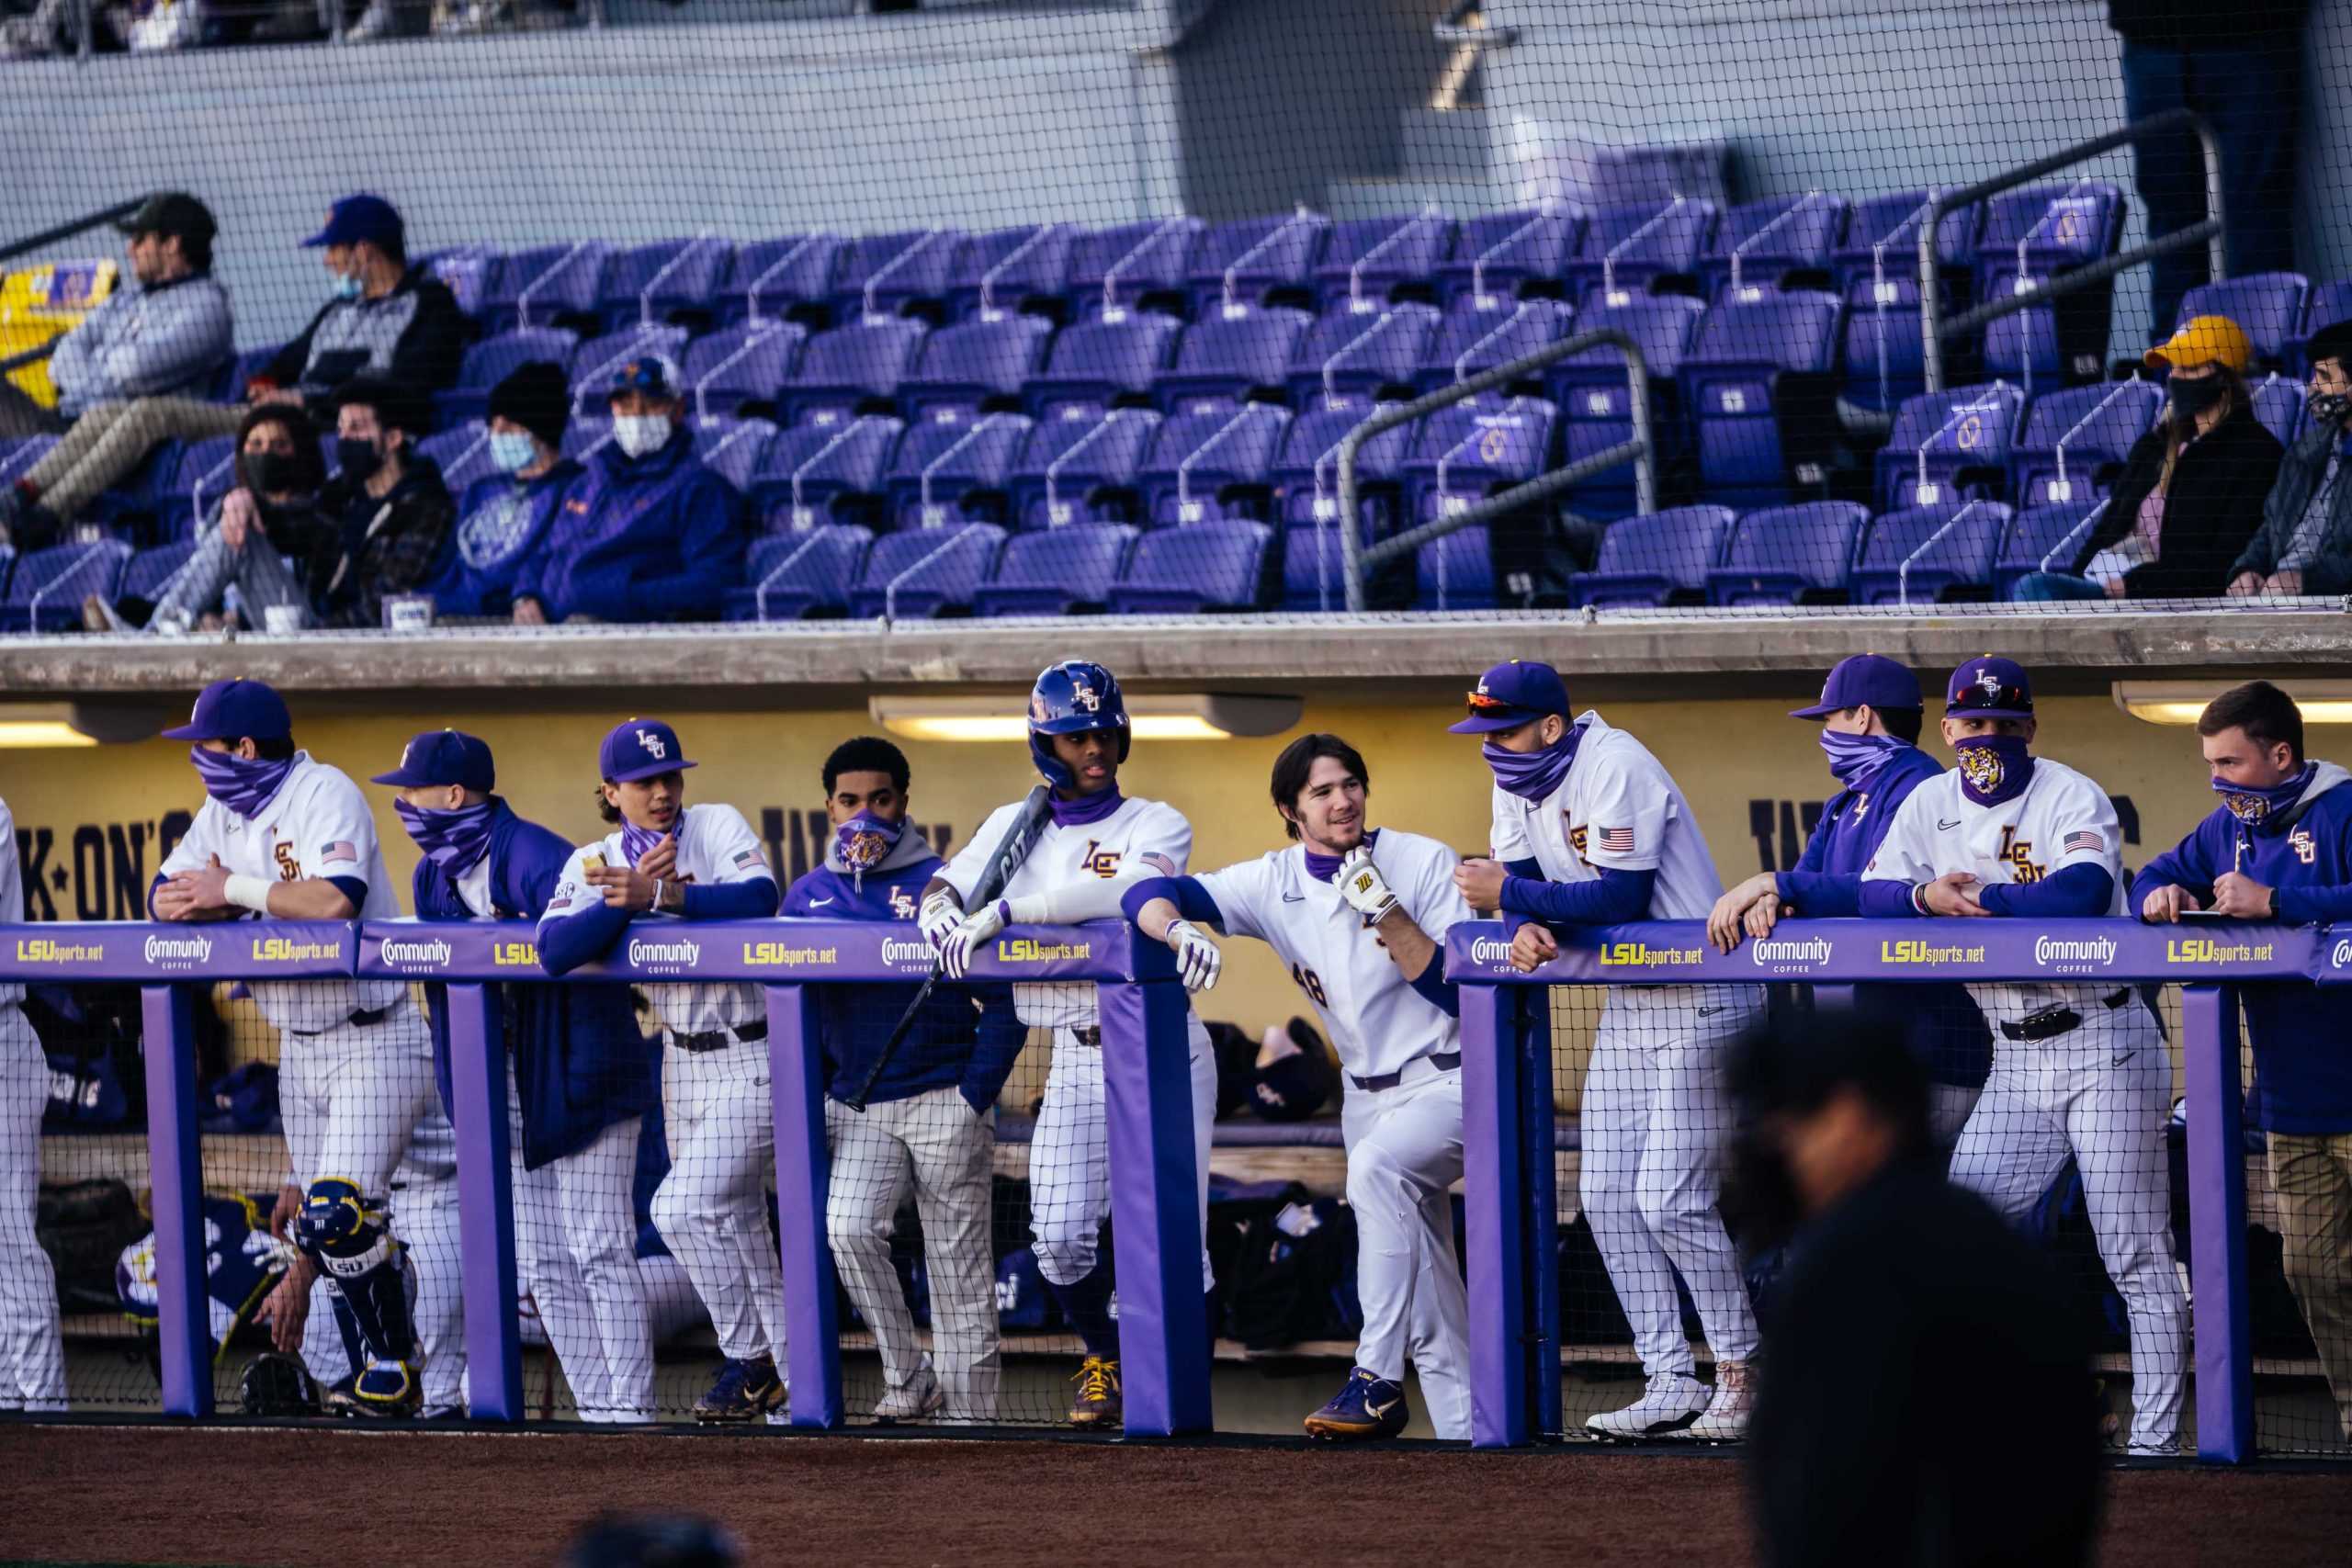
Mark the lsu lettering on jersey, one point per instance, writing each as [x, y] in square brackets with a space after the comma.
[318, 824]
[716, 845]
[2061, 819]
[1142, 837]
[1618, 809]
[1376, 1021]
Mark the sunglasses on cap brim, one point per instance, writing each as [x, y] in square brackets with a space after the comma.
[1481, 706]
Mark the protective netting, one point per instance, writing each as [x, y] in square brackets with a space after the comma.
[2075, 1139]
[969, 308]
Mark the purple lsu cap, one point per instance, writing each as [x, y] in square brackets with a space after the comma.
[1867, 680]
[231, 710]
[1987, 687]
[642, 749]
[1510, 695]
[440, 757]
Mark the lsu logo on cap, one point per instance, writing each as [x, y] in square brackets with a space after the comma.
[654, 746]
[1981, 766]
[1990, 681]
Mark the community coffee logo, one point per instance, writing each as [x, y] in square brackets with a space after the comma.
[177, 951]
[665, 957]
[900, 954]
[1784, 955]
[1487, 949]
[433, 954]
[2074, 957]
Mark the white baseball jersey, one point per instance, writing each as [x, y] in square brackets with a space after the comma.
[2061, 819]
[317, 825]
[1618, 809]
[715, 845]
[11, 895]
[1141, 837]
[1376, 1021]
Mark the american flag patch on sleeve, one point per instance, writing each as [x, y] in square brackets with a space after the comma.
[1614, 841]
[1159, 862]
[746, 859]
[340, 850]
[2087, 840]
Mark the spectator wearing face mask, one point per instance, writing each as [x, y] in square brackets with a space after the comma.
[392, 512]
[266, 540]
[647, 534]
[387, 320]
[504, 518]
[2305, 542]
[2191, 495]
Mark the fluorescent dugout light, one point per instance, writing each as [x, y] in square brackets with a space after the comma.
[36, 734]
[2323, 702]
[1181, 716]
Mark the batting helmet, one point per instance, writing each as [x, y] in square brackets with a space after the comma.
[1073, 697]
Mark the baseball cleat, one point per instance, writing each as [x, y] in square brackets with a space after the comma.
[1725, 1418]
[2168, 1449]
[1365, 1406]
[1100, 1401]
[386, 1391]
[744, 1391]
[1671, 1402]
[921, 1397]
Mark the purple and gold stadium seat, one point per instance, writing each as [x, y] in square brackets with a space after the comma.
[733, 448]
[884, 273]
[2268, 305]
[788, 576]
[2327, 304]
[547, 286]
[1882, 244]
[1759, 243]
[1243, 261]
[1060, 572]
[1349, 353]
[2044, 538]
[1786, 555]
[460, 452]
[865, 358]
[2074, 441]
[748, 363]
[1209, 464]
[1455, 572]
[647, 284]
[1922, 554]
[1132, 263]
[1949, 445]
[145, 574]
[812, 470]
[919, 574]
[964, 365]
[470, 272]
[770, 279]
[1368, 258]
[587, 435]
[493, 359]
[955, 473]
[1473, 449]
[207, 471]
[1630, 248]
[1742, 382]
[1499, 252]
[1183, 571]
[2279, 404]
[1647, 561]
[2046, 229]
[1108, 355]
[1595, 391]
[1480, 332]
[46, 589]
[1307, 487]
[1230, 351]
[1080, 468]
[1010, 269]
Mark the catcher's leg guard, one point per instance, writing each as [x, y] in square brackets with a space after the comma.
[366, 1275]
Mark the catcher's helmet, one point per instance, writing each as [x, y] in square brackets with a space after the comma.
[1073, 697]
[278, 1386]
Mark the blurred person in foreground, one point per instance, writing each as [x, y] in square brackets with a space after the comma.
[1929, 1395]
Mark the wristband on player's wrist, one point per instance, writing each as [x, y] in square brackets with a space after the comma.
[1919, 897]
[247, 892]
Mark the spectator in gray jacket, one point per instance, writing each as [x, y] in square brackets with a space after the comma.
[130, 375]
[2304, 545]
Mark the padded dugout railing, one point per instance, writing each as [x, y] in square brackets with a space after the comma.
[1511, 1204]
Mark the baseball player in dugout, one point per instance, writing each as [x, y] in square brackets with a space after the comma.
[580, 1076]
[1589, 829]
[930, 1118]
[1359, 915]
[1870, 714]
[2280, 848]
[2078, 1069]
[284, 837]
[1097, 844]
[32, 1353]
[675, 863]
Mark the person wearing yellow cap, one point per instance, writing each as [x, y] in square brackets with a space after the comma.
[2190, 493]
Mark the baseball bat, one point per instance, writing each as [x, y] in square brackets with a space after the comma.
[1010, 850]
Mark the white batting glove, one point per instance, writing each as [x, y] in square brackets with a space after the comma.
[1199, 961]
[940, 915]
[1366, 891]
[982, 923]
